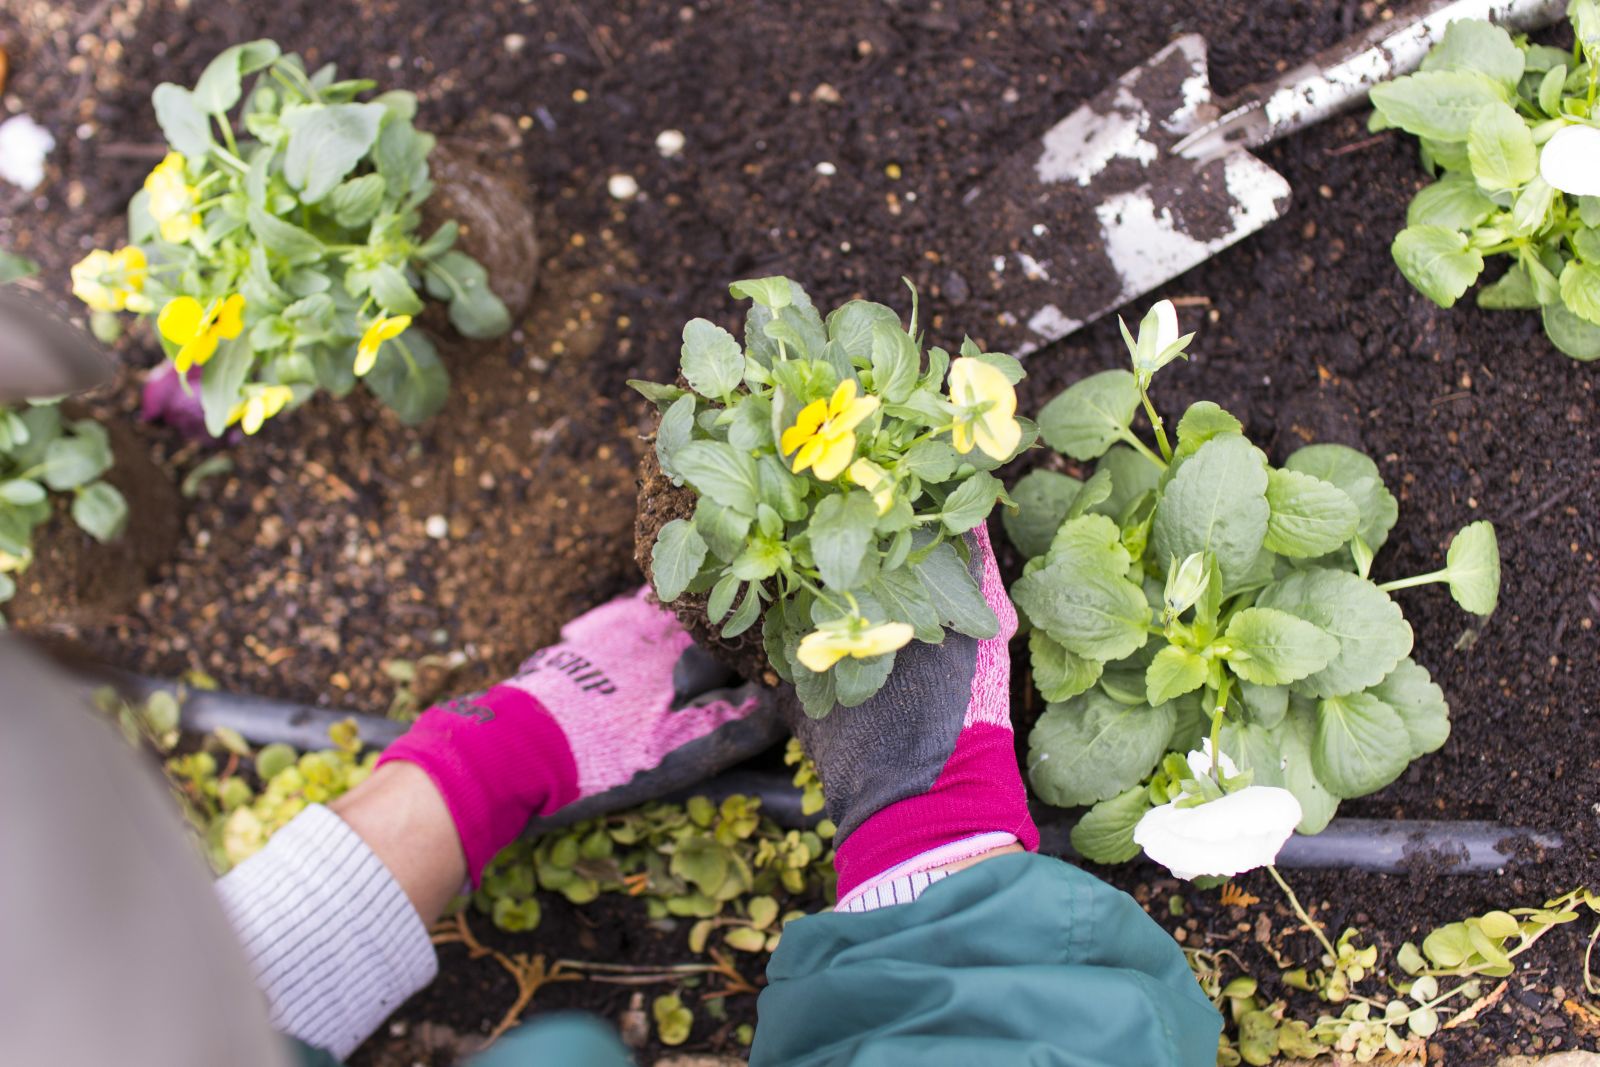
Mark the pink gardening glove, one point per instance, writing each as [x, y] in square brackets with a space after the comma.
[925, 773]
[594, 718]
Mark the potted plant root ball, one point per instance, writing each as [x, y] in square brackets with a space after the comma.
[804, 504]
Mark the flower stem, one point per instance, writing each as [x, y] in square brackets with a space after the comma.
[1156, 424]
[1294, 902]
[1143, 449]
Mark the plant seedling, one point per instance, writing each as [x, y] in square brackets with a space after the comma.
[1194, 593]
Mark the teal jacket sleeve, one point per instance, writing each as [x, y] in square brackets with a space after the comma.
[1021, 959]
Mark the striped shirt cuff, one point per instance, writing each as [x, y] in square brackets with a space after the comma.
[905, 882]
[331, 937]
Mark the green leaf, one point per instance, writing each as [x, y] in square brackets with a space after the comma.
[326, 141]
[1173, 672]
[21, 491]
[1058, 674]
[410, 378]
[283, 238]
[857, 680]
[678, 555]
[1437, 104]
[354, 203]
[1265, 704]
[721, 598]
[955, 594]
[1043, 497]
[1580, 290]
[774, 292]
[712, 360]
[220, 84]
[1441, 263]
[903, 597]
[1373, 635]
[1095, 614]
[1500, 146]
[852, 326]
[1090, 416]
[1573, 335]
[1530, 213]
[841, 530]
[182, 122]
[971, 503]
[1481, 47]
[1355, 474]
[1132, 475]
[674, 432]
[223, 380]
[392, 292]
[1092, 748]
[1453, 202]
[1513, 290]
[1552, 88]
[1092, 541]
[723, 528]
[745, 616]
[894, 362]
[1270, 647]
[1421, 705]
[1309, 517]
[1294, 739]
[1203, 421]
[1473, 567]
[1217, 504]
[1105, 833]
[14, 267]
[101, 511]
[721, 472]
[478, 313]
[1361, 745]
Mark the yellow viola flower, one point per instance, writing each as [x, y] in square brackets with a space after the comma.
[986, 409]
[197, 329]
[112, 281]
[875, 480]
[265, 402]
[823, 436]
[381, 329]
[832, 642]
[172, 200]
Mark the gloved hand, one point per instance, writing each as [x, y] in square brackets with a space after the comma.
[624, 709]
[925, 772]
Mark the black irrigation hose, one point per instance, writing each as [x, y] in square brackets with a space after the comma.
[1376, 845]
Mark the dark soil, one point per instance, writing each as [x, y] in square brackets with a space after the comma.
[305, 568]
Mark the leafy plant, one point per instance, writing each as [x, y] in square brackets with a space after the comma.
[1194, 592]
[41, 453]
[279, 252]
[835, 470]
[1510, 129]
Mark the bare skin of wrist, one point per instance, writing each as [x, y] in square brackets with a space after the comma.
[399, 813]
[959, 865]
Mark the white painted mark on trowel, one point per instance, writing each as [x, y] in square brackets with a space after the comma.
[1148, 246]
[1086, 142]
[1050, 323]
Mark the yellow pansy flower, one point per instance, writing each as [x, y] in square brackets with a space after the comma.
[832, 642]
[875, 480]
[823, 435]
[383, 328]
[196, 329]
[112, 281]
[987, 409]
[264, 402]
[172, 200]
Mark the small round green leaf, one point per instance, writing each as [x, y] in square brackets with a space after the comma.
[1309, 517]
[678, 555]
[1473, 566]
[101, 511]
[1090, 416]
[1361, 745]
[1270, 647]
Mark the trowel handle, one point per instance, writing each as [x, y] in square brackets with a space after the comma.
[1341, 76]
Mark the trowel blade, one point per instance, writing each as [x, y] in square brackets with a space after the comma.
[41, 353]
[1100, 210]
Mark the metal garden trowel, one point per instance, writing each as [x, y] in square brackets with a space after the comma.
[1153, 176]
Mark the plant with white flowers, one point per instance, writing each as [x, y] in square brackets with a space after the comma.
[1193, 598]
[1513, 131]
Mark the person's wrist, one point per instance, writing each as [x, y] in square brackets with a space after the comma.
[401, 815]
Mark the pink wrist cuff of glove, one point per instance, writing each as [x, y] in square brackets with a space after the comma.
[498, 759]
[979, 791]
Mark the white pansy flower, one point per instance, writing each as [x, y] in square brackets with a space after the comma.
[23, 146]
[1570, 161]
[1221, 838]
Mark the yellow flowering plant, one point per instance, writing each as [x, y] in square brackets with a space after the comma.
[836, 467]
[277, 244]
